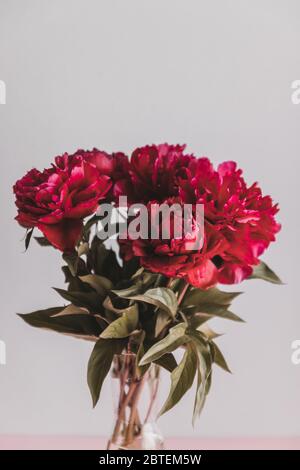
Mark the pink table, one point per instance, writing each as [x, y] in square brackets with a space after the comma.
[93, 443]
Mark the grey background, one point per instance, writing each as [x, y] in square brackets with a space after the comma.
[118, 74]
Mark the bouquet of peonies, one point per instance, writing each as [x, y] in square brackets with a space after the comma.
[156, 290]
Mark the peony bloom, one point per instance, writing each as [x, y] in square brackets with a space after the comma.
[157, 170]
[175, 256]
[241, 214]
[115, 165]
[239, 221]
[57, 199]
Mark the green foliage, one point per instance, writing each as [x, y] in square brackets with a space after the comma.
[42, 241]
[28, 238]
[79, 323]
[182, 378]
[175, 338]
[262, 271]
[160, 297]
[124, 307]
[89, 300]
[99, 364]
[100, 284]
[72, 261]
[212, 296]
[123, 326]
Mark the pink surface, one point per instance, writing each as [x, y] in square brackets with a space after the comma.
[93, 443]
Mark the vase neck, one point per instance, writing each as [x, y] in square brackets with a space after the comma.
[135, 396]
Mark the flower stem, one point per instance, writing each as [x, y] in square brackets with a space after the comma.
[133, 412]
[183, 292]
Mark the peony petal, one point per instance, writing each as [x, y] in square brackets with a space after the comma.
[79, 211]
[63, 235]
[232, 273]
[226, 168]
[53, 218]
[204, 276]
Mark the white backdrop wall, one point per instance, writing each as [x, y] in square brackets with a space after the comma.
[119, 74]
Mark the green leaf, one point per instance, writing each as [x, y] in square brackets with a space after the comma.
[74, 283]
[262, 271]
[162, 320]
[218, 357]
[204, 367]
[28, 238]
[75, 324]
[140, 352]
[128, 269]
[123, 326]
[212, 296]
[145, 279]
[161, 297]
[110, 308]
[208, 332]
[71, 310]
[208, 383]
[72, 261]
[100, 362]
[167, 361]
[128, 292]
[92, 221]
[197, 319]
[175, 338]
[182, 379]
[209, 311]
[138, 273]
[99, 283]
[89, 300]
[48, 312]
[83, 249]
[42, 241]
[103, 261]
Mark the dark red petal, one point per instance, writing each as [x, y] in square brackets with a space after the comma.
[25, 220]
[226, 168]
[83, 209]
[234, 273]
[63, 235]
[204, 276]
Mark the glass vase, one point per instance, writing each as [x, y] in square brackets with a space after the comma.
[135, 399]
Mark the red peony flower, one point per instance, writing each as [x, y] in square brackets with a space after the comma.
[115, 165]
[174, 256]
[241, 214]
[157, 170]
[239, 221]
[57, 199]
